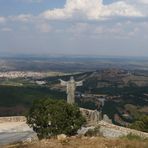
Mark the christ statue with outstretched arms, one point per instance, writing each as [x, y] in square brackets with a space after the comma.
[71, 87]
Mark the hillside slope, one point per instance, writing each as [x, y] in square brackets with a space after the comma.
[86, 142]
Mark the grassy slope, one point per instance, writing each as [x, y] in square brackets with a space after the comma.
[86, 142]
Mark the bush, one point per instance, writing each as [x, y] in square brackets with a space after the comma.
[50, 118]
[141, 124]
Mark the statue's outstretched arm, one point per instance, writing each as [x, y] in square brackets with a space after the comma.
[63, 83]
[79, 83]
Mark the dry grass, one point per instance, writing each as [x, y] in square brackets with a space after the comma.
[85, 142]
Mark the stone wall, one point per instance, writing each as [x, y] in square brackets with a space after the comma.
[114, 131]
[13, 119]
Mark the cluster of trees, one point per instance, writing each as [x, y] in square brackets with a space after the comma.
[13, 97]
[52, 117]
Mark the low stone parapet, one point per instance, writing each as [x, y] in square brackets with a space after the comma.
[114, 131]
[13, 119]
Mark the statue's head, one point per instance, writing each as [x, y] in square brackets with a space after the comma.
[72, 78]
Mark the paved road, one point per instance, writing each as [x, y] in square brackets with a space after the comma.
[8, 138]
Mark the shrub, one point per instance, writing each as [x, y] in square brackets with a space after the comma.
[50, 118]
[141, 124]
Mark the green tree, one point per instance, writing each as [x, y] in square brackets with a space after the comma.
[49, 118]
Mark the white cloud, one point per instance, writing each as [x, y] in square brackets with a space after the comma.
[2, 19]
[78, 10]
[91, 9]
[117, 30]
[22, 17]
[141, 5]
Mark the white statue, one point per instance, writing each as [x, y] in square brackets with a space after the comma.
[71, 87]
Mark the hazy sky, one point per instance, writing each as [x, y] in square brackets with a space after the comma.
[85, 27]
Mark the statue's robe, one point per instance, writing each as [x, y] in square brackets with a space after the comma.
[71, 88]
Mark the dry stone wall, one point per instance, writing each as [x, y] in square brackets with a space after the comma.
[113, 131]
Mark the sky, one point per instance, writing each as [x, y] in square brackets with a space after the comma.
[74, 27]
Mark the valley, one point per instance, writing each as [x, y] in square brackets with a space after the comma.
[121, 93]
